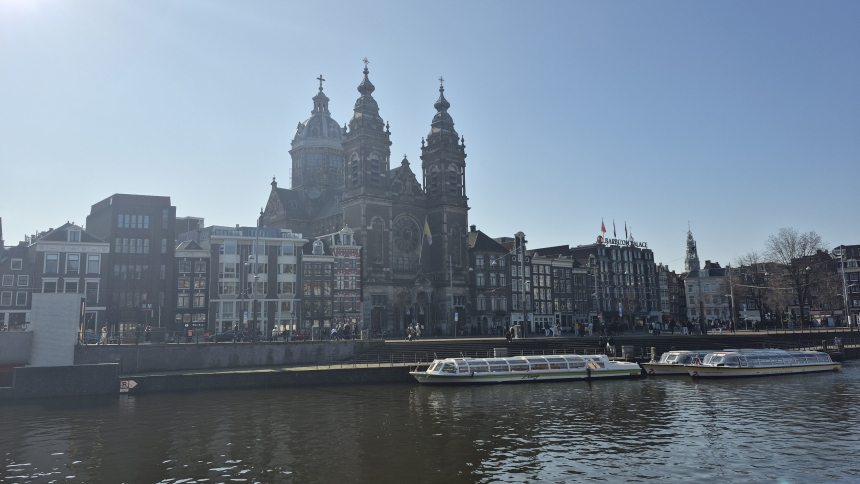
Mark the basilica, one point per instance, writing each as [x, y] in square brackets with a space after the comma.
[412, 233]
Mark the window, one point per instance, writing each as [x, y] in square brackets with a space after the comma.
[228, 288]
[74, 235]
[182, 301]
[52, 263]
[92, 293]
[200, 266]
[164, 217]
[23, 281]
[285, 288]
[480, 279]
[352, 262]
[6, 298]
[185, 266]
[73, 263]
[163, 246]
[199, 283]
[70, 287]
[21, 298]
[199, 300]
[8, 280]
[49, 287]
[493, 279]
[479, 261]
[162, 273]
[287, 268]
[16, 264]
[229, 247]
[482, 303]
[286, 248]
[184, 283]
[93, 263]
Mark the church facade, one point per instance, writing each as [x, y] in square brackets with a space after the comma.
[413, 233]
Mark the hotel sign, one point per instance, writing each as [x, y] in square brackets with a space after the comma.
[622, 242]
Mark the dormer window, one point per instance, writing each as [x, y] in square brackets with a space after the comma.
[74, 235]
[318, 247]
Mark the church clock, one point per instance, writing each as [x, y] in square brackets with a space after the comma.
[406, 233]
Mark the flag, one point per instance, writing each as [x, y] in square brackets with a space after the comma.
[602, 226]
[625, 230]
[613, 229]
[427, 233]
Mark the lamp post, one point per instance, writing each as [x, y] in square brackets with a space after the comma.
[844, 288]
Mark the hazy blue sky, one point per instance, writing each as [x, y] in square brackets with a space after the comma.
[741, 117]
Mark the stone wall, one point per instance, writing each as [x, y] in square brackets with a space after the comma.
[167, 357]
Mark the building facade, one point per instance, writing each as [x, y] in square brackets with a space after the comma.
[707, 289]
[490, 299]
[139, 270]
[191, 287]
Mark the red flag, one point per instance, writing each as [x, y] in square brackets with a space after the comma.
[602, 226]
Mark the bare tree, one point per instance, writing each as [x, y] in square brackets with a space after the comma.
[750, 280]
[793, 254]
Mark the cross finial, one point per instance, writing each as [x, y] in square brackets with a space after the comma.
[441, 82]
[365, 62]
[320, 78]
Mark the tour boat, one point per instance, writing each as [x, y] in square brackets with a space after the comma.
[731, 363]
[524, 368]
[674, 362]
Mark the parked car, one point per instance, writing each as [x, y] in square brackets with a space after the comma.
[228, 336]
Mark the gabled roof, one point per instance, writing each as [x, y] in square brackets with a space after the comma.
[59, 234]
[557, 250]
[189, 245]
[480, 241]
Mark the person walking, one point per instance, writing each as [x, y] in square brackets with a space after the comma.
[509, 334]
[610, 345]
[601, 343]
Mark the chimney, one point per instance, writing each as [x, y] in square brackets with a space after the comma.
[473, 228]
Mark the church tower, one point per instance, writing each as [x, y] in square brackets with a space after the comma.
[443, 163]
[316, 150]
[366, 209]
[691, 263]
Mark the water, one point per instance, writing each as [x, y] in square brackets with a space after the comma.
[788, 429]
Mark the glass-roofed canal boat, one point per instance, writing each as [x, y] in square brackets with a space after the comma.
[674, 362]
[753, 362]
[524, 368]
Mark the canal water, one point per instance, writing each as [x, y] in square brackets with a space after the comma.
[787, 429]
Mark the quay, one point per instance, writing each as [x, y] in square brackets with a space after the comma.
[160, 368]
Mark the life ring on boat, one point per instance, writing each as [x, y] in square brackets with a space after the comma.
[651, 371]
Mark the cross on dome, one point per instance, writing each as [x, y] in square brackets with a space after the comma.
[320, 78]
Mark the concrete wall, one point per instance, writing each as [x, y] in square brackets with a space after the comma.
[15, 347]
[60, 381]
[271, 379]
[148, 358]
[55, 319]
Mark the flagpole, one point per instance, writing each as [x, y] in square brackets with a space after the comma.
[421, 250]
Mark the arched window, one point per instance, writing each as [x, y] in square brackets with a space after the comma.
[454, 181]
[353, 171]
[456, 245]
[378, 240]
[375, 176]
[433, 182]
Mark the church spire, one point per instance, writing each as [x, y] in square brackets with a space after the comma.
[691, 263]
[442, 123]
[366, 108]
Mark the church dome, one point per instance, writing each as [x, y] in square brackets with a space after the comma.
[320, 126]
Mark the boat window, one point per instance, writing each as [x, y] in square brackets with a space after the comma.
[595, 364]
[664, 357]
[672, 358]
[576, 364]
[433, 366]
[730, 360]
[478, 367]
[448, 368]
[539, 366]
[519, 366]
[558, 365]
[464, 368]
[684, 359]
[498, 368]
[714, 359]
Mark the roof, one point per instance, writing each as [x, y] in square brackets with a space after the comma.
[59, 234]
[189, 245]
[479, 241]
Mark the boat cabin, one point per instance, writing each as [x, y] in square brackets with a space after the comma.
[518, 363]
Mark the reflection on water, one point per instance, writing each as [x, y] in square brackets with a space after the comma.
[782, 429]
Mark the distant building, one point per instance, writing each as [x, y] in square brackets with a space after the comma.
[139, 268]
[491, 294]
[317, 296]
[192, 279]
[16, 285]
[347, 278]
[520, 263]
[707, 289]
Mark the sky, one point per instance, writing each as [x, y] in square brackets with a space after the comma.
[738, 118]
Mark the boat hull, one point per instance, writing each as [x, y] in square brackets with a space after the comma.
[653, 369]
[730, 372]
[520, 377]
